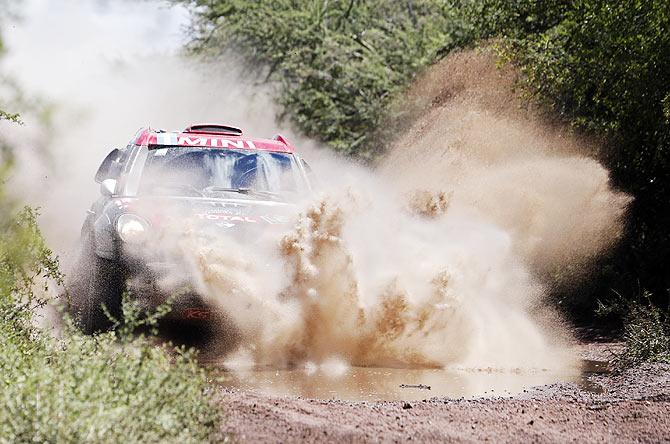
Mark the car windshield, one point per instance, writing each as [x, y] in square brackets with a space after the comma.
[214, 172]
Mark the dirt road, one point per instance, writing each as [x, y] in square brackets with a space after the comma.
[629, 407]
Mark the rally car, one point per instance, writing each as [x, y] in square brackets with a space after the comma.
[209, 177]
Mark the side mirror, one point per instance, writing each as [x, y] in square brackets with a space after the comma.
[108, 187]
[106, 167]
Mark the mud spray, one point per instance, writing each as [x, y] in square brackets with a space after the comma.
[439, 257]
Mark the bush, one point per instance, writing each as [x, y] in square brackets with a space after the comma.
[647, 336]
[605, 67]
[646, 330]
[114, 387]
[82, 389]
[339, 63]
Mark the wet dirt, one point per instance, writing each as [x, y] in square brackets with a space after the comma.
[399, 384]
[600, 406]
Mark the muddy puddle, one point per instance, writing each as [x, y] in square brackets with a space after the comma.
[388, 384]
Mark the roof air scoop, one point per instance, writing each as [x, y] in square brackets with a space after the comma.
[209, 128]
[281, 139]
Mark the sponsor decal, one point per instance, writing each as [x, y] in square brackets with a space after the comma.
[200, 313]
[226, 217]
[214, 142]
[166, 139]
[226, 208]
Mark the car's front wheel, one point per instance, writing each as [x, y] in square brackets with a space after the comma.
[95, 290]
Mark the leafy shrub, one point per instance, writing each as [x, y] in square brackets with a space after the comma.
[605, 67]
[483, 19]
[646, 330]
[82, 389]
[7, 116]
[339, 63]
[113, 387]
[647, 336]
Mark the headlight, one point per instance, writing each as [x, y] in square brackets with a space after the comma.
[132, 228]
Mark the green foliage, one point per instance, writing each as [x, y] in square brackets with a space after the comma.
[11, 117]
[646, 330]
[102, 389]
[483, 19]
[647, 336]
[339, 63]
[114, 387]
[24, 258]
[605, 67]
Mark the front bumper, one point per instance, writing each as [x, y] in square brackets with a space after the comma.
[155, 283]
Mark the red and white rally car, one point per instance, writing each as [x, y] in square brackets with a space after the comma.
[211, 176]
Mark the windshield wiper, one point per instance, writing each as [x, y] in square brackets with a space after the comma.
[249, 191]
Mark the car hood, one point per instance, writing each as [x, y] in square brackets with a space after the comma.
[227, 214]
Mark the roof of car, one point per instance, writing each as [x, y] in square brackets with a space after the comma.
[210, 136]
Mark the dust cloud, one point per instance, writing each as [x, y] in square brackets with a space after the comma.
[438, 258]
[444, 255]
[475, 139]
[363, 279]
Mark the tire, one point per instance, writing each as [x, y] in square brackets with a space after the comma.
[95, 283]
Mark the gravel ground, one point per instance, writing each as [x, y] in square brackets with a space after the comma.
[633, 406]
